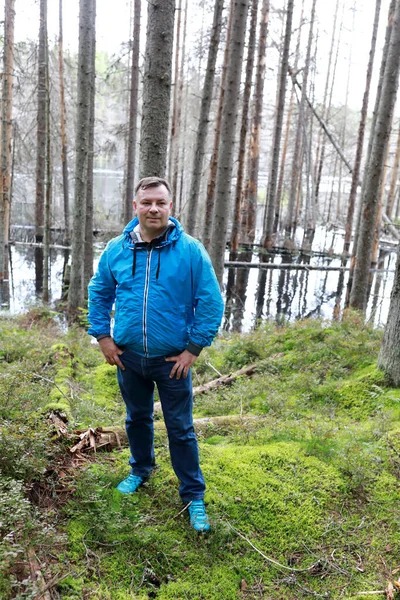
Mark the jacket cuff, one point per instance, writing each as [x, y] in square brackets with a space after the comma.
[103, 335]
[194, 348]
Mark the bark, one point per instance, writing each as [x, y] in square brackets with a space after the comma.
[5, 140]
[88, 256]
[64, 144]
[394, 178]
[76, 290]
[296, 171]
[47, 207]
[361, 133]
[276, 143]
[175, 164]
[41, 125]
[234, 243]
[287, 130]
[228, 130]
[234, 239]
[358, 297]
[208, 217]
[133, 110]
[389, 356]
[174, 119]
[157, 88]
[202, 130]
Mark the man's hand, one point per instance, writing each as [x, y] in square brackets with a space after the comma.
[183, 362]
[111, 352]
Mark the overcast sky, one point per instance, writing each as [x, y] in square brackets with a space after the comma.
[113, 28]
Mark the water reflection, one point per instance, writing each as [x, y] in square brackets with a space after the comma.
[256, 293]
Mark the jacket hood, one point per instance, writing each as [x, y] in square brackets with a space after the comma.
[173, 234]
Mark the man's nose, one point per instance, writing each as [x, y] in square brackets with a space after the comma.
[154, 208]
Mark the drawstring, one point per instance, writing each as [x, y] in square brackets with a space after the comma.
[134, 261]
[158, 265]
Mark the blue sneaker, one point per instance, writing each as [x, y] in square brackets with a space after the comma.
[130, 484]
[198, 516]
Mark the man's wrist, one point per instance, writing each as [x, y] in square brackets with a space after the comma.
[102, 336]
[194, 348]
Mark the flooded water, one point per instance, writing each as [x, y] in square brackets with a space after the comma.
[278, 294]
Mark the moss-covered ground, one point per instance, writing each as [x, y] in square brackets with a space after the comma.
[303, 498]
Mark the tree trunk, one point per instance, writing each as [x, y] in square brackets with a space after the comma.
[5, 140]
[88, 257]
[393, 182]
[177, 148]
[358, 297]
[234, 240]
[64, 145]
[208, 217]
[228, 130]
[389, 356]
[276, 143]
[173, 135]
[47, 206]
[361, 133]
[76, 294]
[287, 130]
[133, 110]
[296, 170]
[202, 130]
[243, 132]
[157, 88]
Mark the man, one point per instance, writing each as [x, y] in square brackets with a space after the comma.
[168, 306]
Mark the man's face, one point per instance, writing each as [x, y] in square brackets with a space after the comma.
[152, 207]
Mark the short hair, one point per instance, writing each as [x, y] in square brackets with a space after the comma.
[149, 182]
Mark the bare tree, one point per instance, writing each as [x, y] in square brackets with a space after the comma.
[133, 110]
[64, 145]
[358, 297]
[277, 135]
[6, 134]
[76, 290]
[202, 129]
[361, 132]
[88, 256]
[228, 129]
[157, 87]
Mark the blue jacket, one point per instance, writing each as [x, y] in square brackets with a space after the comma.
[166, 295]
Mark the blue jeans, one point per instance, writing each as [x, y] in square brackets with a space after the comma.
[137, 386]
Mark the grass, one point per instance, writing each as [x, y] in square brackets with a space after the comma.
[303, 495]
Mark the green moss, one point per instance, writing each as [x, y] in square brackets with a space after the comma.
[104, 387]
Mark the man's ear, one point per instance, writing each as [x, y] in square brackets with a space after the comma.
[134, 205]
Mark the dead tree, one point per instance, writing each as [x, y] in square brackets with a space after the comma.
[227, 142]
[358, 297]
[276, 143]
[202, 129]
[361, 133]
[76, 294]
[6, 135]
[64, 144]
[133, 110]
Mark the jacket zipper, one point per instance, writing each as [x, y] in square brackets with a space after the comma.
[146, 294]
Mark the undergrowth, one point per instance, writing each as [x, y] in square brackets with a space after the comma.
[303, 474]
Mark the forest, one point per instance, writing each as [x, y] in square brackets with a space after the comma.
[277, 127]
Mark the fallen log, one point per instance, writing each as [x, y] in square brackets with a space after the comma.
[110, 438]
